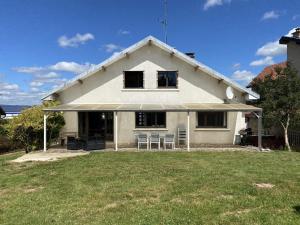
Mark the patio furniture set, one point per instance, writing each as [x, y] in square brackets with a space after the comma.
[90, 143]
[155, 138]
[74, 142]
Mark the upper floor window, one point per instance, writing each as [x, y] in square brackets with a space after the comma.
[167, 79]
[133, 79]
[212, 119]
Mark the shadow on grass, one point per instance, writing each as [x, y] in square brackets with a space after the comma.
[296, 209]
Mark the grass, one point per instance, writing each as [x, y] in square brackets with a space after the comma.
[152, 188]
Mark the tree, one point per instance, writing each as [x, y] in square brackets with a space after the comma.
[280, 99]
[27, 129]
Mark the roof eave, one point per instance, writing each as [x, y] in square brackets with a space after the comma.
[285, 40]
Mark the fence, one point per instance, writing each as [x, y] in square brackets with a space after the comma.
[294, 138]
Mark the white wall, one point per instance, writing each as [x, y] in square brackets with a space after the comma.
[193, 87]
[107, 86]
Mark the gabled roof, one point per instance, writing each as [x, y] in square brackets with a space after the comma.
[163, 46]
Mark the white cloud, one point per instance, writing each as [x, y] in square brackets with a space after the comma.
[5, 92]
[295, 17]
[5, 98]
[8, 86]
[72, 67]
[236, 66]
[49, 71]
[271, 49]
[11, 94]
[36, 83]
[32, 69]
[8, 93]
[55, 86]
[115, 53]
[243, 75]
[290, 33]
[263, 62]
[270, 15]
[212, 3]
[34, 89]
[123, 32]
[112, 47]
[48, 75]
[43, 79]
[75, 41]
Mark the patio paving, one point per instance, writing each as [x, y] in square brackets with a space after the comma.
[48, 156]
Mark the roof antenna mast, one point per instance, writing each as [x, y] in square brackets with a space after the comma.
[164, 21]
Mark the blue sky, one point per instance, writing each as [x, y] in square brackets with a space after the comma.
[44, 43]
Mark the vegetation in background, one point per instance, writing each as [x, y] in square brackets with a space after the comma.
[27, 129]
[5, 143]
[3, 130]
[280, 100]
[153, 188]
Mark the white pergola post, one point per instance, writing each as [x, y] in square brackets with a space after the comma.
[45, 132]
[188, 131]
[116, 131]
[259, 130]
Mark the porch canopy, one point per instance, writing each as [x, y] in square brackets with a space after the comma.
[236, 107]
[190, 107]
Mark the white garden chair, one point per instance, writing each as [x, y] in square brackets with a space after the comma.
[154, 139]
[142, 140]
[169, 139]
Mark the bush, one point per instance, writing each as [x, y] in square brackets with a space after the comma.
[3, 130]
[27, 129]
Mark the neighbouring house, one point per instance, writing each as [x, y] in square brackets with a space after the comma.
[2, 113]
[13, 110]
[293, 48]
[268, 71]
[152, 87]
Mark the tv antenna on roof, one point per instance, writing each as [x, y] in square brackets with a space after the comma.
[164, 21]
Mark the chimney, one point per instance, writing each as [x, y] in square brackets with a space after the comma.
[296, 34]
[190, 54]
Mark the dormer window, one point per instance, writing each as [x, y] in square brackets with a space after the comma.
[167, 79]
[133, 79]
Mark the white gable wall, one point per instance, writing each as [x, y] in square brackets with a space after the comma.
[107, 86]
[193, 87]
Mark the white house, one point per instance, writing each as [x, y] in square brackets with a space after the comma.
[152, 87]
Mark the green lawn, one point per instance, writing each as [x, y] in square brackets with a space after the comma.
[153, 188]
